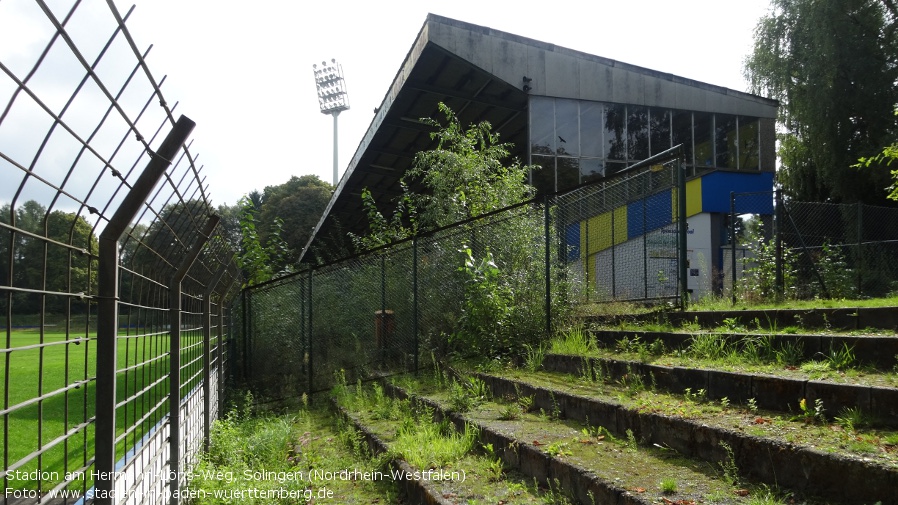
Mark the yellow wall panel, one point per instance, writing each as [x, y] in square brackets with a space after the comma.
[596, 233]
[693, 199]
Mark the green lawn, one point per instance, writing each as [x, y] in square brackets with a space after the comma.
[34, 371]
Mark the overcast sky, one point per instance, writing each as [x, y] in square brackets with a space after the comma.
[243, 70]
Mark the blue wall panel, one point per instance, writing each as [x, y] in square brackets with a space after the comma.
[572, 239]
[716, 188]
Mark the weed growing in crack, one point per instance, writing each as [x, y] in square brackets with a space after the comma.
[510, 412]
[765, 497]
[459, 399]
[632, 382]
[534, 357]
[669, 485]
[815, 368]
[631, 441]
[585, 371]
[554, 495]
[556, 409]
[811, 414]
[699, 396]
[709, 346]
[840, 359]
[644, 350]
[790, 352]
[556, 449]
[728, 465]
[494, 467]
[851, 418]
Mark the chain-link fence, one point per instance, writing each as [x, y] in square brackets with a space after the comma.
[805, 250]
[623, 236]
[840, 250]
[482, 286]
[114, 280]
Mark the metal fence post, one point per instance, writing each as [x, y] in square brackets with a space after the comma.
[207, 354]
[548, 245]
[859, 264]
[174, 379]
[779, 267]
[613, 258]
[245, 333]
[586, 260]
[382, 320]
[733, 246]
[645, 251]
[684, 230]
[415, 299]
[220, 347]
[107, 305]
[311, 339]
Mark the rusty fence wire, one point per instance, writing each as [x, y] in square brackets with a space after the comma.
[483, 285]
[115, 282]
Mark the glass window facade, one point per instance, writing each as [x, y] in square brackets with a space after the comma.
[575, 142]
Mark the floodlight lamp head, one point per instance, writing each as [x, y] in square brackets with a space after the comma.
[332, 95]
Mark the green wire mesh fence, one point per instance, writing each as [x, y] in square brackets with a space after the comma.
[115, 282]
[478, 287]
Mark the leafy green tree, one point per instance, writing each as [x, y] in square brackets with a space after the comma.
[492, 266]
[229, 225]
[299, 204]
[833, 66]
[168, 237]
[260, 260]
[45, 265]
[462, 177]
[465, 173]
[888, 155]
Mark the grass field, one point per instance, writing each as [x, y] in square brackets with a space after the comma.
[39, 365]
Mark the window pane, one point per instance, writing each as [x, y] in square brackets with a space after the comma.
[591, 129]
[659, 128]
[567, 127]
[568, 173]
[637, 132]
[543, 179]
[615, 138]
[704, 149]
[542, 125]
[591, 169]
[725, 140]
[682, 133]
[748, 143]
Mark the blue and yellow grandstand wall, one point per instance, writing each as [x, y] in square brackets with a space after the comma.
[629, 252]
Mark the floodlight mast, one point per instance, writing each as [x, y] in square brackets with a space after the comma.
[332, 97]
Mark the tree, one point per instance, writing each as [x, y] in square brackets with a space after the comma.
[44, 265]
[230, 223]
[462, 177]
[888, 155]
[260, 260]
[168, 237]
[833, 66]
[299, 204]
[499, 292]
